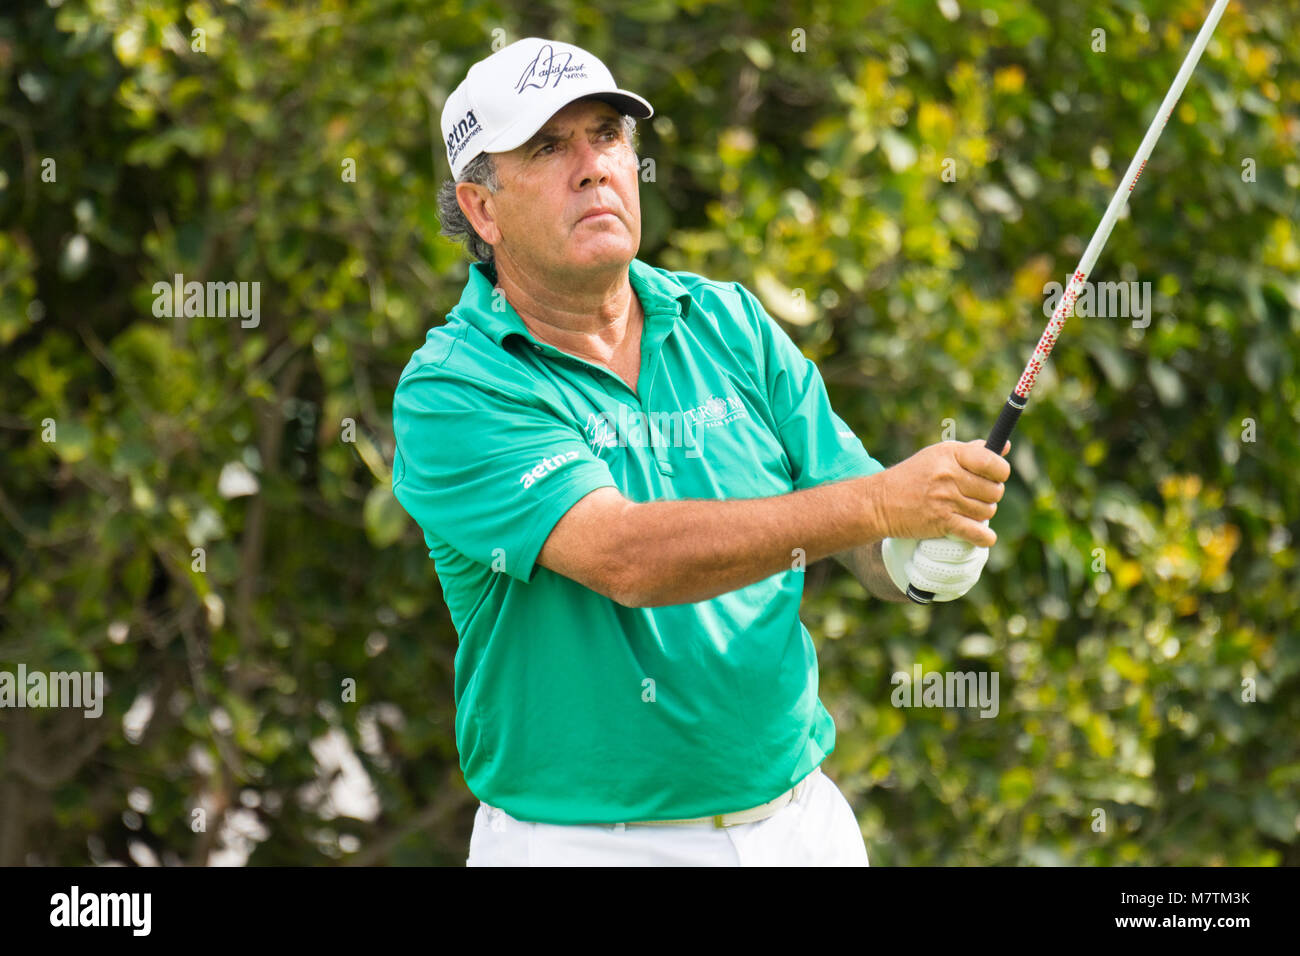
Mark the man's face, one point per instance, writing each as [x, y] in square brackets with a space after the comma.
[577, 162]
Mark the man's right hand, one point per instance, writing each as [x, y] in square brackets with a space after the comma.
[948, 488]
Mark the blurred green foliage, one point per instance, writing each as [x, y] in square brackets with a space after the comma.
[1146, 562]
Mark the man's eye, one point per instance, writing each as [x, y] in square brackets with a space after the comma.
[611, 135]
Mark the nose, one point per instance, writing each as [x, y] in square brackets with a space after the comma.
[592, 165]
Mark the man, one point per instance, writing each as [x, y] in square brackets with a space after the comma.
[620, 472]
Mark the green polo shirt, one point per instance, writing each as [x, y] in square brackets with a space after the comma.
[571, 708]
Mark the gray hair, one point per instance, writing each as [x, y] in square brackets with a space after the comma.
[482, 171]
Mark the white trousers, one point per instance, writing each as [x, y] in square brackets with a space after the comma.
[817, 829]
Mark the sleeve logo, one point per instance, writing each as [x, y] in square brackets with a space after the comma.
[545, 467]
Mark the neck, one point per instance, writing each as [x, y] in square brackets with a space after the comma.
[591, 314]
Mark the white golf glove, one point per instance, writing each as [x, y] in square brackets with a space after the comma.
[948, 566]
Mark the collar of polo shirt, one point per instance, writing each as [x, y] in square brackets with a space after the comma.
[663, 299]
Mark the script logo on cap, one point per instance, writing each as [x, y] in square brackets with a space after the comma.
[548, 64]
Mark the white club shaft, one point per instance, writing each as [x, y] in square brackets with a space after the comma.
[1117, 202]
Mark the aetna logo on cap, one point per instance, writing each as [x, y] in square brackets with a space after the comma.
[462, 133]
[550, 67]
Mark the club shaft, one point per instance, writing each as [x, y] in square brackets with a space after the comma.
[1117, 203]
[1016, 402]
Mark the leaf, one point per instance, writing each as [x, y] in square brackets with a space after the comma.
[71, 440]
[757, 52]
[1115, 365]
[789, 305]
[1015, 787]
[898, 150]
[384, 517]
[1168, 384]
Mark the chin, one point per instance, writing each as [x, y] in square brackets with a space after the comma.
[603, 254]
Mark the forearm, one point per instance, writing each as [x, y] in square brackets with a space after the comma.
[867, 565]
[694, 550]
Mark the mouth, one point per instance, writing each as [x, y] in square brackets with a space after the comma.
[597, 215]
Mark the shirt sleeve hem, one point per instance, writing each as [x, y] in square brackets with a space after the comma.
[854, 470]
[559, 502]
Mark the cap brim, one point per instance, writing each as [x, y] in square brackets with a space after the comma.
[626, 102]
[522, 131]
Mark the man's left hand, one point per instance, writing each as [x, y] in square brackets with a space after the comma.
[947, 566]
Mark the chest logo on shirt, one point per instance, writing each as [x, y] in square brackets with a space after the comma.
[717, 411]
[673, 429]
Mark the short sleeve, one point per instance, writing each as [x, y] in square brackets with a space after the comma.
[488, 474]
[820, 446]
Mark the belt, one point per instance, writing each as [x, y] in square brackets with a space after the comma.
[752, 815]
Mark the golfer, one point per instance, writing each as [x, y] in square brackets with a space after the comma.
[621, 472]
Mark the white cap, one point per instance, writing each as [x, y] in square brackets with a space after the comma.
[508, 96]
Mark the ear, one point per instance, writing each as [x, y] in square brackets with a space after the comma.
[476, 202]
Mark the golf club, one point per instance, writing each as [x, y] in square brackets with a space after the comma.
[1015, 404]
